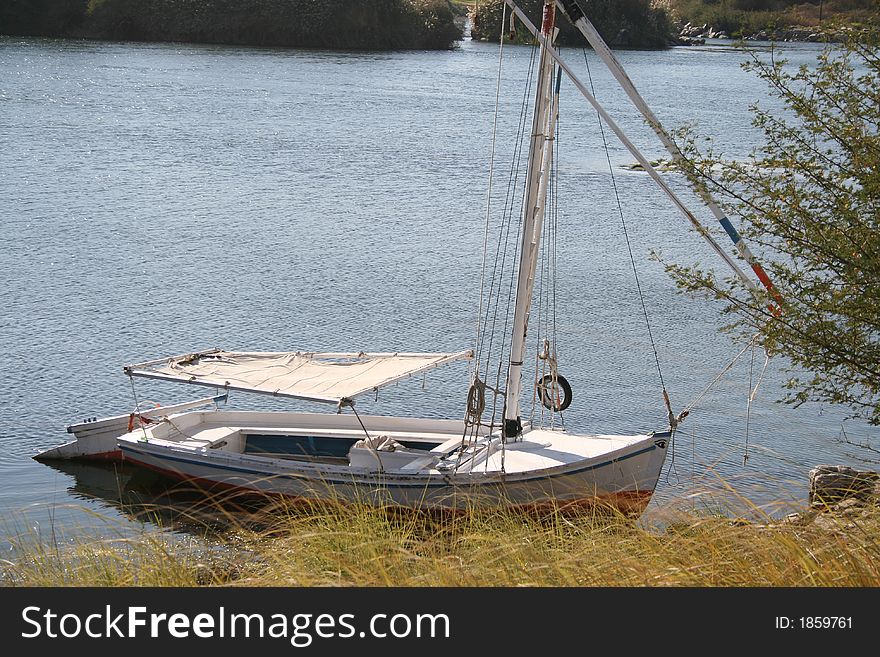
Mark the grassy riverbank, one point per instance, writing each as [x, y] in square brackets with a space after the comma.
[330, 546]
[336, 24]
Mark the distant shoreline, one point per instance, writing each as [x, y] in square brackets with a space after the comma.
[367, 25]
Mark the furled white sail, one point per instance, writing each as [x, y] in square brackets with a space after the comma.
[323, 377]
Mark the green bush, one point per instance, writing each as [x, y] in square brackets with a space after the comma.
[623, 23]
[41, 17]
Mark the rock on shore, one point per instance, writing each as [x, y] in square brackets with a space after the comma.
[697, 34]
[830, 484]
[842, 499]
[690, 34]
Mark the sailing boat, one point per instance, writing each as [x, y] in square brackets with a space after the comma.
[410, 462]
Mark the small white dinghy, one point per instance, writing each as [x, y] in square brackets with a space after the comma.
[494, 455]
[95, 440]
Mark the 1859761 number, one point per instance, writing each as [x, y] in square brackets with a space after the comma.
[814, 623]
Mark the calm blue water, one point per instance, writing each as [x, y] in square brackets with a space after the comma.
[157, 199]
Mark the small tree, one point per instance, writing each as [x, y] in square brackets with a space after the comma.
[809, 199]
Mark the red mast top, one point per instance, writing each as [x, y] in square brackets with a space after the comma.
[549, 18]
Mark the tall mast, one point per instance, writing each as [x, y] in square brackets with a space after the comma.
[537, 180]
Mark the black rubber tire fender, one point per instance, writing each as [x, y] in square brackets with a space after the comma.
[545, 387]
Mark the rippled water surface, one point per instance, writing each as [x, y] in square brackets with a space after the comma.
[161, 198]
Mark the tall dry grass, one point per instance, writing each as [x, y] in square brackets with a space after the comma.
[152, 559]
[332, 545]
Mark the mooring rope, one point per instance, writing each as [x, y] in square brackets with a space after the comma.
[725, 370]
[137, 405]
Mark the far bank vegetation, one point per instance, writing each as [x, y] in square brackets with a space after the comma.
[336, 24]
[622, 23]
[743, 18]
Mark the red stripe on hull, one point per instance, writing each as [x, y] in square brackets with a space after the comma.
[102, 457]
[115, 456]
[627, 502]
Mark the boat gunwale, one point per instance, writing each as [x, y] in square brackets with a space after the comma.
[212, 458]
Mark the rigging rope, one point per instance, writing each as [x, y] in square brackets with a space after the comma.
[546, 322]
[687, 409]
[504, 239]
[486, 340]
[672, 470]
[673, 422]
[512, 186]
[749, 408]
[491, 299]
[752, 393]
[489, 193]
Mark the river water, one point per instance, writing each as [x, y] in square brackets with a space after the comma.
[156, 199]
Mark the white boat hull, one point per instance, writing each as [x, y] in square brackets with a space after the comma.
[622, 473]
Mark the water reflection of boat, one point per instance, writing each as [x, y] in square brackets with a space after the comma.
[146, 497]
